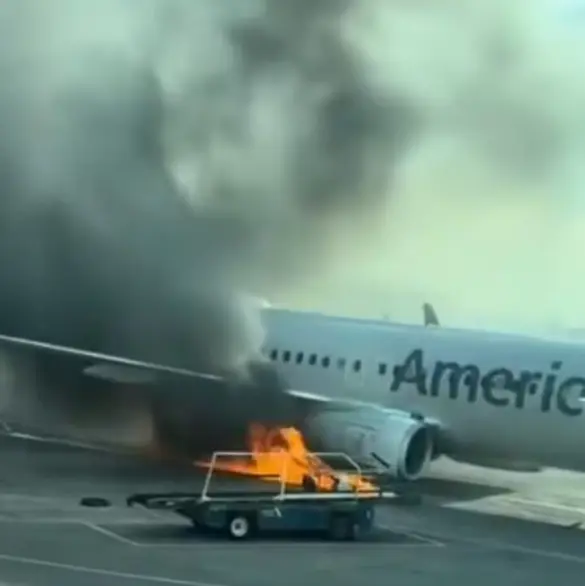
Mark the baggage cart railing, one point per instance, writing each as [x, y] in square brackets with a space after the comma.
[318, 466]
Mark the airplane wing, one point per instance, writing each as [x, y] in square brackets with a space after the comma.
[128, 371]
[308, 396]
[108, 367]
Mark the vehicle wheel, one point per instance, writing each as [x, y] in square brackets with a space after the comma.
[342, 528]
[239, 527]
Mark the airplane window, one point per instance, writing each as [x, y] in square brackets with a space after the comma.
[357, 365]
[273, 354]
[382, 368]
[286, 355]
[325, 361]
[299, 357]
[312, 359]
[341, 362]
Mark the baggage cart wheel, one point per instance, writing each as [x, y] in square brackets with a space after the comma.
[239, 526]
[342, 528]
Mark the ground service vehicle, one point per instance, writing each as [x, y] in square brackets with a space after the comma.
[337, 514]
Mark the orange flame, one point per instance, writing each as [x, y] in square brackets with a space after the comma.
[281, 455]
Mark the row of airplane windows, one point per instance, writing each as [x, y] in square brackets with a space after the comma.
[323, 361]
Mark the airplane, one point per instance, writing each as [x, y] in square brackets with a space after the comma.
[396, 396]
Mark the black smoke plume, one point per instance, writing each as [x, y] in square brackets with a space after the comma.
[156, 157]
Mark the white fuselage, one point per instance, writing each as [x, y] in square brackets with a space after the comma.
[500, 396]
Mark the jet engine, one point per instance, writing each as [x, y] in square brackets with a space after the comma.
[388, 441]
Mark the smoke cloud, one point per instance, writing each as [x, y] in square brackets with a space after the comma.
[485, 215]
[159, 156]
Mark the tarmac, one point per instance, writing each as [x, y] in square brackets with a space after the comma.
[485, 528]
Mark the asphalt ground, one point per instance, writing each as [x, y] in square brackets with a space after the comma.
[466, 531]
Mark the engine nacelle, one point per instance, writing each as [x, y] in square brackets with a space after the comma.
[375, 438]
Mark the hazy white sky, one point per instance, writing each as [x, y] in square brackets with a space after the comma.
[486, 214]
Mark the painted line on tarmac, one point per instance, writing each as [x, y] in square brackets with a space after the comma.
[546, 505]
[101, 571]
[499, 545]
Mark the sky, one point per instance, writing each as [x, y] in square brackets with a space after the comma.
[484, 214]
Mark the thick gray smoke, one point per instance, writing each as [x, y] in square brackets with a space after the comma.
[158, 156]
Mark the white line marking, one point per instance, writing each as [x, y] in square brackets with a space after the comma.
[200, 544]
[32, 497]
[77, 521]
[41, 521]
[415, 536]
[546, 504]
[118, 450]
[502, 545]
[102, 572]
[110, 534]
[63, 442]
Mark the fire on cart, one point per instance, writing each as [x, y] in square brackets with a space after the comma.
[342, 511]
